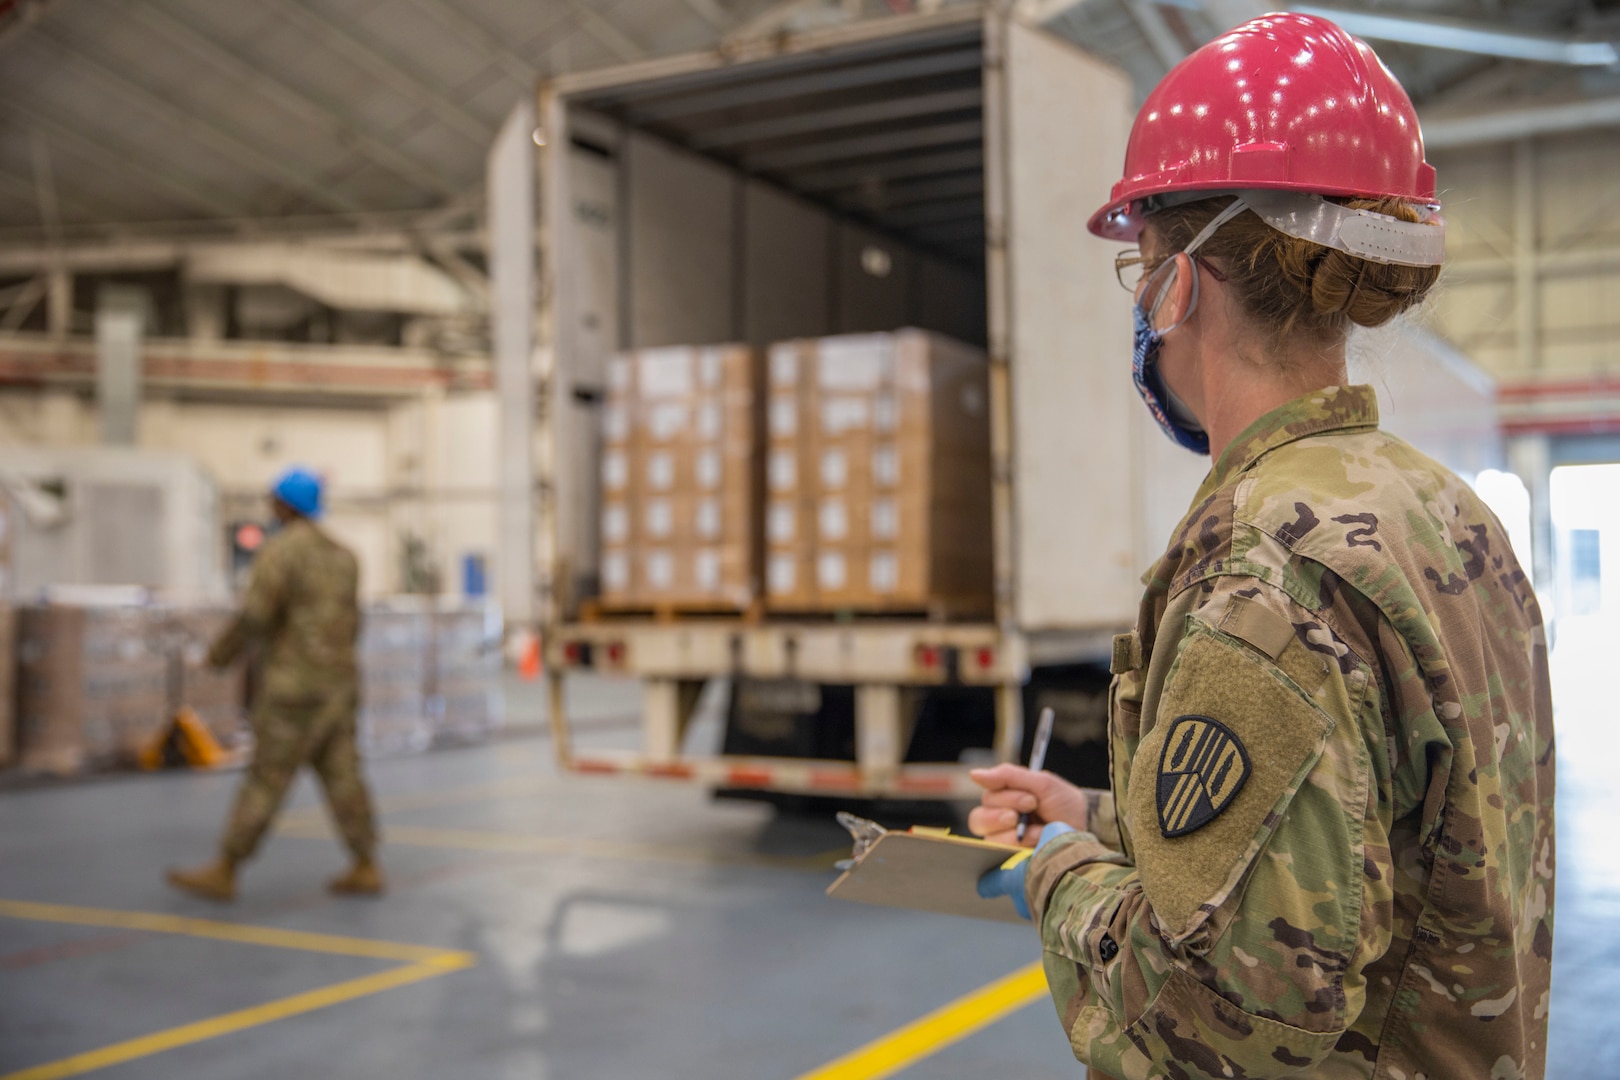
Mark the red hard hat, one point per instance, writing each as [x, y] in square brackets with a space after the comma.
[1286, 102]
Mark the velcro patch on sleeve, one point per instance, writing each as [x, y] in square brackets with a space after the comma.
[1127, 654]
[1257, 624]
[1218, 777]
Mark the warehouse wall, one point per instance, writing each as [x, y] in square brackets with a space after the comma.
[424, 466]
[1533, 256]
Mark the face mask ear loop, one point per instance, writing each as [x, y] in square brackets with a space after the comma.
[1163, 294]
[1236, 207]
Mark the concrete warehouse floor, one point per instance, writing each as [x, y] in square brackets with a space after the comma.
[546, 926]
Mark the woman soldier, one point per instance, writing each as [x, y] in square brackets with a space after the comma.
[1328, 848]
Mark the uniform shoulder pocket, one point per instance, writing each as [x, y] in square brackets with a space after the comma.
[1234, 740]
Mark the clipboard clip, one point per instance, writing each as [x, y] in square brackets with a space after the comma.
[865, 832]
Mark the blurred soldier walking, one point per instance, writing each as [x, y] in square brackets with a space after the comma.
[301, 607]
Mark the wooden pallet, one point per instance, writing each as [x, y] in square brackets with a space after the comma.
[938, 609]
[595, 611]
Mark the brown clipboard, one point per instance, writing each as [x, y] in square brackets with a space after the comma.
[927, 871]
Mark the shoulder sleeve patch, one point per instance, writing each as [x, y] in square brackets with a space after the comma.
[1237, 712]
[1201, 769]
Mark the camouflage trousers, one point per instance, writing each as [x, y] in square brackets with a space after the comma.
[321, 734]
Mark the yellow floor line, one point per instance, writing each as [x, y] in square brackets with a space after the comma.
[932, 1033]
[486, 840]
[281, 1009]
[420, 962]
[275, 937]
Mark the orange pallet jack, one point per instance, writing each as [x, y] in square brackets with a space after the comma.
[185, 739]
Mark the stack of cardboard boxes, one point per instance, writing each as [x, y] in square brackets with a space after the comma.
[878, 475]
[680, 477]
[95, 681]
[429, 674]
[393, 649]
[464, 698]
[92, 686]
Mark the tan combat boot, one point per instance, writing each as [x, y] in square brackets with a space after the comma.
[216, 881]
[363, 879]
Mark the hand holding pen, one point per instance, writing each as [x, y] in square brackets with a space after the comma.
[1037, 761]
[1013, 793]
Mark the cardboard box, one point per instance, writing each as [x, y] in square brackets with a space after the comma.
[878, 475]
[464, 697]
[393, 654]
[91, 686]
[681, 475]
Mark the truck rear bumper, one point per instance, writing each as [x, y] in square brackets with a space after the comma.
[888, 651]
[789, 775]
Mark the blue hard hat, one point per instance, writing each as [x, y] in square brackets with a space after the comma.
[300, 489]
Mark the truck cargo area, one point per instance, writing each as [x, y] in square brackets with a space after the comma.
[860, 180]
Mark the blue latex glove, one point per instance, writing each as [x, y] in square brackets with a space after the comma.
[1010, 882]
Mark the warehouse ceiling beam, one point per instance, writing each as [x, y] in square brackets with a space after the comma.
[112, 245]
[165, 253]
[16, 188]
[12, 295]
[1507, 125]
[22, 304]
[710, 12]
[486, 41]
[446, 257]
[1226, 14]
[68, 204]
[778, 18]
[343, 280]
[606, 33]
[1460, 35]
[121, 161]
[800, 123]
[299, 103]
[758, 93]
[385, 70]
[256, 370]
[184, 118]
[1167, 48]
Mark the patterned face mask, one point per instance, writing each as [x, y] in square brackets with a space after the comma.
[1173, 416]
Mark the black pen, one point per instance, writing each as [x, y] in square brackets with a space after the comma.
[1037, 758]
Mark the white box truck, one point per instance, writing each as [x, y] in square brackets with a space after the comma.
[931, 170]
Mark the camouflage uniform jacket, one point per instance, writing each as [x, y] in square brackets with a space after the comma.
[1330, 846]
[302, 604]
